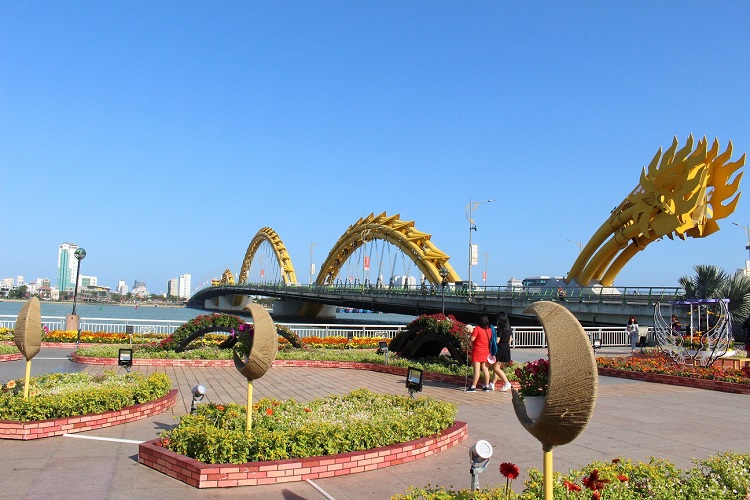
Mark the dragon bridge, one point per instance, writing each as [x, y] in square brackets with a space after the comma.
[268, 235]
[681, 193]
[400, 233]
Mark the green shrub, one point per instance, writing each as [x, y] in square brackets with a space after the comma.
[719, 477]
[8, 349]
[360, 420]
[58, 395]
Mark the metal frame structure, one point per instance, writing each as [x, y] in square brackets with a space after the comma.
[707, 338]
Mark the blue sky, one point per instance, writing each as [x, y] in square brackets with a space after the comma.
[161, 136]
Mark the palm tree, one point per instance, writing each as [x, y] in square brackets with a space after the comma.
[712, 282]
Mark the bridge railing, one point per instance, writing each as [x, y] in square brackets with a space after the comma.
[534, 336]
[523, 336]
[610, 295]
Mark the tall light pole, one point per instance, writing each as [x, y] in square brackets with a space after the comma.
[578, 244]
[80, 254]
[470, 208]
[312, 266]
[747, 232]
[444, 275]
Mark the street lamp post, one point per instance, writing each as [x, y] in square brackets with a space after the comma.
[444, 275]
[80, 254]
[71, 322]
[471, 207]
[747, 232]
[312, 268]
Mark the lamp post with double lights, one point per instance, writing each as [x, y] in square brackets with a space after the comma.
[470, 208]
[312, 266]
[747, 232]
[71, 321]
[444, 275]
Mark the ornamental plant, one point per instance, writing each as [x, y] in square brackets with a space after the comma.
[533, 377]
[59, 395]
[203, 323]
[361, 420]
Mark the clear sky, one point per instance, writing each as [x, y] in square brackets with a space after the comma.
[161, 136]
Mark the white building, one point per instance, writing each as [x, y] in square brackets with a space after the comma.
[184, 286]
[122, 288]
[20, 281]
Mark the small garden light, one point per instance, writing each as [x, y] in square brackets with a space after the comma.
[383, 349]
[479, 455]
[414, 380]
[125, 358]
[596, 343]
[198, 392]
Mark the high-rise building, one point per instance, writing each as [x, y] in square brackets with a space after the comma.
[122, 288]
[184, 286]
[66, 267]
[173, 287]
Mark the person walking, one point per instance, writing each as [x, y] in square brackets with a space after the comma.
[504, 337]
[632, 329]
[480, 348]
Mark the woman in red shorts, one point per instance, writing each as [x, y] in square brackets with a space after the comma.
[480, 349]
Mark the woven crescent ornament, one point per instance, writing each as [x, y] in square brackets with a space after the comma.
[27, 333]
[265, 345]
[573, 379]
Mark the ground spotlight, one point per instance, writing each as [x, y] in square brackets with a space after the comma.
[413, 380]
[383, 349]
[596, 343]
[125, 358]
[479, 455]
[198, 392]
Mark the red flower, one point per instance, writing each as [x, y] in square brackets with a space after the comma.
[220, 407]
[615, 460]
[596, 495]
[594, 482]
[308, 410]
[509, 470]
[571, 486]
[623, 478]
[269, 411]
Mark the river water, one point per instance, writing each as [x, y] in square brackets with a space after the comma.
[146, 312]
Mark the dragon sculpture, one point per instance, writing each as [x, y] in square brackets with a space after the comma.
[681, 193]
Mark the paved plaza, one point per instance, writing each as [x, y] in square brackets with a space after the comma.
[632, 419]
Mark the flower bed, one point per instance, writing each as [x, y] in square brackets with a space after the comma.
[10, 429]
[657, 369]
[293, 441]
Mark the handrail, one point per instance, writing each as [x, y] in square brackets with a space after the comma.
[523, 336]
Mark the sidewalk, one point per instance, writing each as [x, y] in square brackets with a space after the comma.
[631, 420]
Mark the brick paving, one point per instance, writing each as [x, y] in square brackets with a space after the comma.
[632, 419]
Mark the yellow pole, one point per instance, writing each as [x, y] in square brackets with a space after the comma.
[548, 475]
[27, 380]
[249, 405]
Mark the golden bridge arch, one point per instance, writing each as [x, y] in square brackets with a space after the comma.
[266, 234]
[416, 244]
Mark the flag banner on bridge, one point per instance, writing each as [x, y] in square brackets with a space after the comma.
[367, 263]
[474, 255]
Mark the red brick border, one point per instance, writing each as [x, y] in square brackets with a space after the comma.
[55, 427]
[202, 475]
[660, 378]
[11, 357]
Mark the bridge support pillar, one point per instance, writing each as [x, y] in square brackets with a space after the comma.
[301, 309]
[228, 303]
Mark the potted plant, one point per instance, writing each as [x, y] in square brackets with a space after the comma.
[533, 378]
